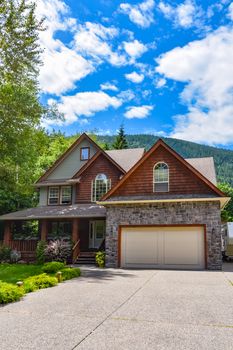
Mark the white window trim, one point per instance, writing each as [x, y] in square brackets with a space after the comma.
[157, 182]
[61, 195]
[93, 195]
[50, 187]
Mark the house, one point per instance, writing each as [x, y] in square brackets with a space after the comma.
[151, 209]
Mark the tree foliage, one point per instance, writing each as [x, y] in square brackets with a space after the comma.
[120, 141]
[227, 212]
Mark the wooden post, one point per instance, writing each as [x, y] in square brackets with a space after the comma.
[44, 230]
[75, 233]
[7, 232]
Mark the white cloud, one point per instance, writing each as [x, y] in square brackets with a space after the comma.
[160, 82]
[135, 77]
[109, 86]
[186, 14]
[140, 112]
[134, 48]
[230, 11]
[141, 14]
[86, 104]
[94, 40]
[126, 95]
[205, 66]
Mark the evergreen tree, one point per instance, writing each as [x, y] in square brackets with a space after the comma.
[120, 141]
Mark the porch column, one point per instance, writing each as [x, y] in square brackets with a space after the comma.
[7, 232]
[75, 231]
[44, 230]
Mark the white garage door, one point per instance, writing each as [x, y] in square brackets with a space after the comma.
[162, 247]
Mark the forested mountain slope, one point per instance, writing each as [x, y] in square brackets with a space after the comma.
[223, 158]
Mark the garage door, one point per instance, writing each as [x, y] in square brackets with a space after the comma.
[162, 247]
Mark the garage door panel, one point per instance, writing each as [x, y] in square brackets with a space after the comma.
[163, 247]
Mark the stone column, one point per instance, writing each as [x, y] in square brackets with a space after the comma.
[44, 230]
[7, 232]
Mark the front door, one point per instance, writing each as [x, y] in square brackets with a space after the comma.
[96, 233]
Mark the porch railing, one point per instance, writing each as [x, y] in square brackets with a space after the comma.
[76, 251]
[23, 246]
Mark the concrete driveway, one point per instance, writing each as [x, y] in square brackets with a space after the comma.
[122, 309]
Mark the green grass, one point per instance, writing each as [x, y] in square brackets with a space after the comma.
[11, 273]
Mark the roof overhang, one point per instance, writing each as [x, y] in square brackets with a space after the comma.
[223, 201]
[57, 183]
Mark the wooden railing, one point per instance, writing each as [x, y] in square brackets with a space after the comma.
[23, 245]
[76, 251]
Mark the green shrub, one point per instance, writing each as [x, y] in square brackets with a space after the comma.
[53, 267]
[100, 258]
[38, 282]
[58, 250]
[70, 272]
[40, 252]
[9, 292]
[5, 253]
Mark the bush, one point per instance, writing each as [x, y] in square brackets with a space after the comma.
[5, 253]
[58, 250]
[15, 256]
[70, 272]
[9, 292]
[40, 252]
[53, 267]
[100, 259]
[38, 282]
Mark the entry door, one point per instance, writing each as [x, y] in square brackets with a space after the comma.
[96, 233]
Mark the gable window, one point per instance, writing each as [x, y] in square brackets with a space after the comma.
[161, 177]
[65, 197]
[53, 195]
[84, 153]
[100, 186]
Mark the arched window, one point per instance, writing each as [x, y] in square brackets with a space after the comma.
[100, 186]
[161, 177]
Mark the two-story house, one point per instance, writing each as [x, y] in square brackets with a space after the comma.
[151, 209]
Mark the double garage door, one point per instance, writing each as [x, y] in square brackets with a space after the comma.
[163, 247]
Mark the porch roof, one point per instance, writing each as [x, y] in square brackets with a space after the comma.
[90, 210]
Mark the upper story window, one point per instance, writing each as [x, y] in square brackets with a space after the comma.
[161, 177]
[100, 186]
[84, 153]
[59, 195]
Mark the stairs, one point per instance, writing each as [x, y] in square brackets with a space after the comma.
[86, 258]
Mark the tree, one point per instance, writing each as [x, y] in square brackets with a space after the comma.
[227, 212]
[120, 141]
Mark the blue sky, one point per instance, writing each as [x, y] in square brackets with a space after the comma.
[160, 67]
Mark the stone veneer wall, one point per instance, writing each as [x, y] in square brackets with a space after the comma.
[207, 213]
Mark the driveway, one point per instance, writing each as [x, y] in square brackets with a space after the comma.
[125, 309]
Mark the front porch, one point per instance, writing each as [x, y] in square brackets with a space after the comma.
[86, 233]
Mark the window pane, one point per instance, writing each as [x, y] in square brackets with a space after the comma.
[99, 188]
[53, 195]
[66, 194]
[161, 187]
[84, 153]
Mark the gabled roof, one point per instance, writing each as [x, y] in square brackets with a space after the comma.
[126, 158]
[205, 166]
[91, 161]
[160, 142]
[65, 154]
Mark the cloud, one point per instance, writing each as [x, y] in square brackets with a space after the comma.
[205, 67]
[109, 86]
[160, 82]
[95, 41]
[186, 14]
[140, 112]
[85, 104]
[230, 11]
[141, 14]
[135, 77]
[134, 48]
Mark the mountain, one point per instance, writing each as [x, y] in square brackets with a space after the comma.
[223, 158]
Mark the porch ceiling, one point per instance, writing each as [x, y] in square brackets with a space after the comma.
[90, 210]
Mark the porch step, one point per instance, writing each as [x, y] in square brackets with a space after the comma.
[86, 258]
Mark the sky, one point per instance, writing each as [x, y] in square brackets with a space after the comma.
[159, 67]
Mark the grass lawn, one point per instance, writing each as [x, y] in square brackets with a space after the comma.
[17, 272]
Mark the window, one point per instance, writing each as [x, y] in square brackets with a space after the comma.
[84, 153]
[100, 186]
[65, 195]
[53, 195]
[161, 177]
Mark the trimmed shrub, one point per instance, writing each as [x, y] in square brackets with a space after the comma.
[9, 293]
[40, 252]
[15, 256]
[5, 253]
[70, 272]
[53, 267]
[38, 282]
[58, 250]
[100, 258]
